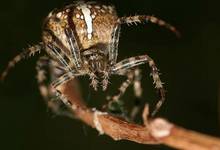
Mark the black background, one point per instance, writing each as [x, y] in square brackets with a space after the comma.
[189, 67]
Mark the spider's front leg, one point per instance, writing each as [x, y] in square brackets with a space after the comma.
[75, 51]
[26, 53]
[148, 18]
[132, 62]
[58, 54]
[113, 53]
[113, 46]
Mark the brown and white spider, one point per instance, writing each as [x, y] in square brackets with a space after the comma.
[82, 39]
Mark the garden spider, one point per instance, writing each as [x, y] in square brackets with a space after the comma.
[82, 39]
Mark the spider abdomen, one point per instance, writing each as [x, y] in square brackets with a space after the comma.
[92, 23]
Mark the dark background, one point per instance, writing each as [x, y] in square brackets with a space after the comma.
[189, 67]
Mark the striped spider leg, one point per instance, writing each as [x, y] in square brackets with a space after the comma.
[60, 61]
[65, 77]
[147, 18]
[47, 70]
[113, 53]
[42, 71]
[74, 48]
[69, 72]
[31, 51]
[70, 64]
[132, 62]
[137, 92]
[133, 77]
[60, 100]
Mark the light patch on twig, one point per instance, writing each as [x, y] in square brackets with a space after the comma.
[160, 128]
[96, 121]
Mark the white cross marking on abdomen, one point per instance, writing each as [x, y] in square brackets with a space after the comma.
[88, 19]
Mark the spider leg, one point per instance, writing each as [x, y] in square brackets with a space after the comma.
[137, 83]
[137, 92]
[147, 18]
[57, 49]
[26, 53]
[58, 54]
[41, 76]
[66, 77]
[113, 47]
[49, 95]
[44, 65]
[113, 54]
[124, 86]
[114, 104]
[132, 62]
[75, 51]
[133, 77]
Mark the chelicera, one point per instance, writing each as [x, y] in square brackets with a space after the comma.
[82, 39]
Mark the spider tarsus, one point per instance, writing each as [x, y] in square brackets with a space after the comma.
[161, 22]
[105, 81]
[105, 84]
[94, 82]
[148, 18]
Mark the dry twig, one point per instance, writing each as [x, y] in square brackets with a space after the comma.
[154, 131]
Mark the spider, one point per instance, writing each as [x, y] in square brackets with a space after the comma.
[82, 39]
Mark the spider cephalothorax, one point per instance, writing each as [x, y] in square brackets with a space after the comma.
[82, 39]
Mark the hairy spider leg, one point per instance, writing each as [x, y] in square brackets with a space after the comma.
[132, 62]
[56, 41]
[94, 81]
[137, 83]
[63, 99]
[54, 103]
[57, 53]
[58, 50]
[147, 18]
[66, 77]
[41, 68]
[25, 53]
[137, 92]
[133, 77]
[113, 54]
[124, 86]
[75, 51]
[113, 46]
[121, 90]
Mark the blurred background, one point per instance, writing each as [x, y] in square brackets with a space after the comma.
[189, 67]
